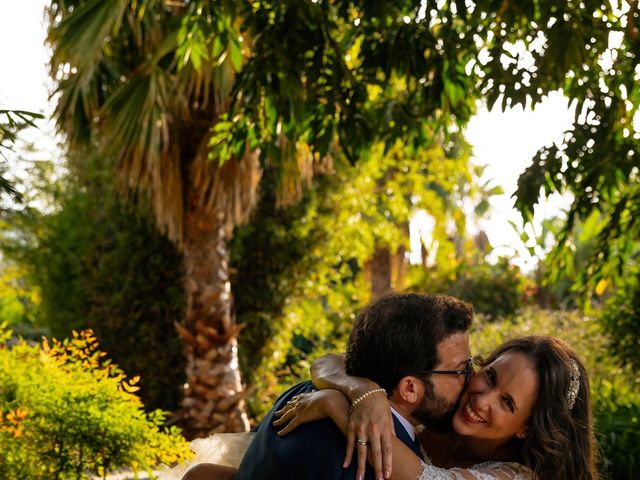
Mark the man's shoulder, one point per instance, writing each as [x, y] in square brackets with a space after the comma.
[313, 450]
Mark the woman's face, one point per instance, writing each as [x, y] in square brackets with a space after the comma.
[498, 399]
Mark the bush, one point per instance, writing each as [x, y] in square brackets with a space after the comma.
[100, 263]
[617, 413]
[615, 396]
[495, 290]
[66, 413]
[621, 320]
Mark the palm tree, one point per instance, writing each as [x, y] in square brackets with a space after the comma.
[144, 82]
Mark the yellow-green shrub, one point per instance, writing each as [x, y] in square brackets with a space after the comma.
[67, 413]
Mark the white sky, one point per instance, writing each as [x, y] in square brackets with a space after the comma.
[505, 142]
[22, 55]
[24, 81]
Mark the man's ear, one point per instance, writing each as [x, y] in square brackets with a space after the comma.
[410, 389]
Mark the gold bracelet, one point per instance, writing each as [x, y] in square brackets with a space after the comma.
[365, 395]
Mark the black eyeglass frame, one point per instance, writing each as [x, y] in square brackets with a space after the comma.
[468, 371]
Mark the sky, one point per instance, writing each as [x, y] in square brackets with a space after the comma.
[23, 56]
[503, 141]
[506, 142]
[24, 79]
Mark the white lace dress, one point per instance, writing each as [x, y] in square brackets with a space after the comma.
[482, 471]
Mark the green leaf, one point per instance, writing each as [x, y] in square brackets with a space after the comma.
[235, 55]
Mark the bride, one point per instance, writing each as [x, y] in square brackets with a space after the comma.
[525, 415]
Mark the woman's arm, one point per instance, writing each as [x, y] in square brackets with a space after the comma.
[370, 419]
[330, 403]
[209, 471]
[329, 372]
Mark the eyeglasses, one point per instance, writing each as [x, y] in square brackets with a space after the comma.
[468, 371]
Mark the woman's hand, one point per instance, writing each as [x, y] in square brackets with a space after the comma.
[308, 407]
[371, 421]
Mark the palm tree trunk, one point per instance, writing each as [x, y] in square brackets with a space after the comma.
[380, 265]
[213, 400]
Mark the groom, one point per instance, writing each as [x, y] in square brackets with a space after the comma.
[398, 342]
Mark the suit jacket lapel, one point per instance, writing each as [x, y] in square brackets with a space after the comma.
[404, 436]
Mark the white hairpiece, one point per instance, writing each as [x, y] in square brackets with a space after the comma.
[574, 384]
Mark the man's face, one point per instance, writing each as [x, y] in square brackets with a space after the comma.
[443, 391]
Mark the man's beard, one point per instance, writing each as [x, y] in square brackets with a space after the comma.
[435, 412]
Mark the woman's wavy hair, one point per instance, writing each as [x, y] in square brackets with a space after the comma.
[559, 441]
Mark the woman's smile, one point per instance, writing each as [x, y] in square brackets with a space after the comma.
[471, 416]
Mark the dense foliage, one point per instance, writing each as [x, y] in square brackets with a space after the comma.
[313, 72]
[268, 256]
[98, 262]
[67, 413]
[620, 321]
[19, 301]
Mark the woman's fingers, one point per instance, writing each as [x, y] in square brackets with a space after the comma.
[281, 413]
[288, 417]
[387, 455]
[285, 414]
[376, 454]
[351, 443]
[362, 458]
[289, 427]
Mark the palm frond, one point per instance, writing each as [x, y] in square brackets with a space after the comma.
[81, 35]
[230, 189]
[11, 123]
[138, 132]
[295, 171]
[7, 187]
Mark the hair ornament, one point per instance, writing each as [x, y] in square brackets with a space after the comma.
[574, 384]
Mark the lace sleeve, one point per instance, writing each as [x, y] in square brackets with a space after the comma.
[483, 471]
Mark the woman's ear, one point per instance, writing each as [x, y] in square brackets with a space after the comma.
[522, 433]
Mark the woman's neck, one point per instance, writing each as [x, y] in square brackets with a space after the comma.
[453, 450]
[475, 450]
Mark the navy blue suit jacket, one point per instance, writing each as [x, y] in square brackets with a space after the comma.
[313, 451]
